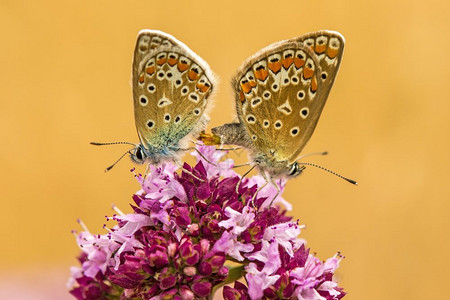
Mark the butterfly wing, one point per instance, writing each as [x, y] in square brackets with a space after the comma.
[171, 89]
[281, 94]
[328, 46]
[277, 93]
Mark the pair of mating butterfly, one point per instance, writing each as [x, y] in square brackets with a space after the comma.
[279, 92]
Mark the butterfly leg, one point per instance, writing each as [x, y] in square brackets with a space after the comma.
[147, 169]
[201, 154]
[242, 165]
[187, 171]
[260, 188]
[243, 176]
[278, 191]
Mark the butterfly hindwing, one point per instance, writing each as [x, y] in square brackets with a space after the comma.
[277, 91]
[171, 88]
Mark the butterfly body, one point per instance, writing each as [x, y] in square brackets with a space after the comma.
[171, 91]
[280, 93]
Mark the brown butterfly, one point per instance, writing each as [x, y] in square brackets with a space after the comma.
[280, 93]
[171, 90]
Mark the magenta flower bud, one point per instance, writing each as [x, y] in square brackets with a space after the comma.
[171, 249]
[202, 288]
[193, 229]
[223, 271]
[205, 268]
[230, 293]
[158, 259]
[167, 281]
[181, 216]
[190, 271]
[205, 245]
[203, 191]
[188, 253]
[186, 293]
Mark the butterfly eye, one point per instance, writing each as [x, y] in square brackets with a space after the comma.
[301, 95]
[139, 154]
[324, 75]
[266, 123]
[294, 131]
[295, 170]
[196, 111]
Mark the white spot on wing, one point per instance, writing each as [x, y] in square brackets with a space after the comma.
[304, 112]
[285, 108]
[164, 102]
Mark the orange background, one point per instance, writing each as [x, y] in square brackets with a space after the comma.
[65, 74]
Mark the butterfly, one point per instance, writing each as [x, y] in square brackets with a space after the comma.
[280, 93]
[172, 87]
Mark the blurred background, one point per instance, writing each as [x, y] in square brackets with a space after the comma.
[65, 81]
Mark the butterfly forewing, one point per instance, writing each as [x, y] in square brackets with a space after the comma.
[328, 47]
[277, 98]
[171, 87]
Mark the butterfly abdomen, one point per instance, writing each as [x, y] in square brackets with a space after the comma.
[232, 134]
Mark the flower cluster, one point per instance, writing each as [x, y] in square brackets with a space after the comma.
[193, 233]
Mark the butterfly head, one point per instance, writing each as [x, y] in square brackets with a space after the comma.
[138, 155]
[295, 169]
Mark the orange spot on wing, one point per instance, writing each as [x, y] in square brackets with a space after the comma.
[202, 88]
[172, 61]
[161, 61]
[275, 66]
[246, 87]
[332, 52]
[299, 62]
[141, 78]
[150, 70]
[320, 48]
[314, 84]
[192, 75]
[307, 72]
[261, 74]
[287, 62]
[182, 66]
[252, 83]
[241, 96]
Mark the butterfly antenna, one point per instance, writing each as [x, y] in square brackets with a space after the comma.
[312, 153]
[329, 171]
[113, 143]
[111, 166]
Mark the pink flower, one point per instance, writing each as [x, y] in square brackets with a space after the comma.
[229, 244]
[286, 235]
[220, 168]
[238, 221]
[258, 280]
[183, 229]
